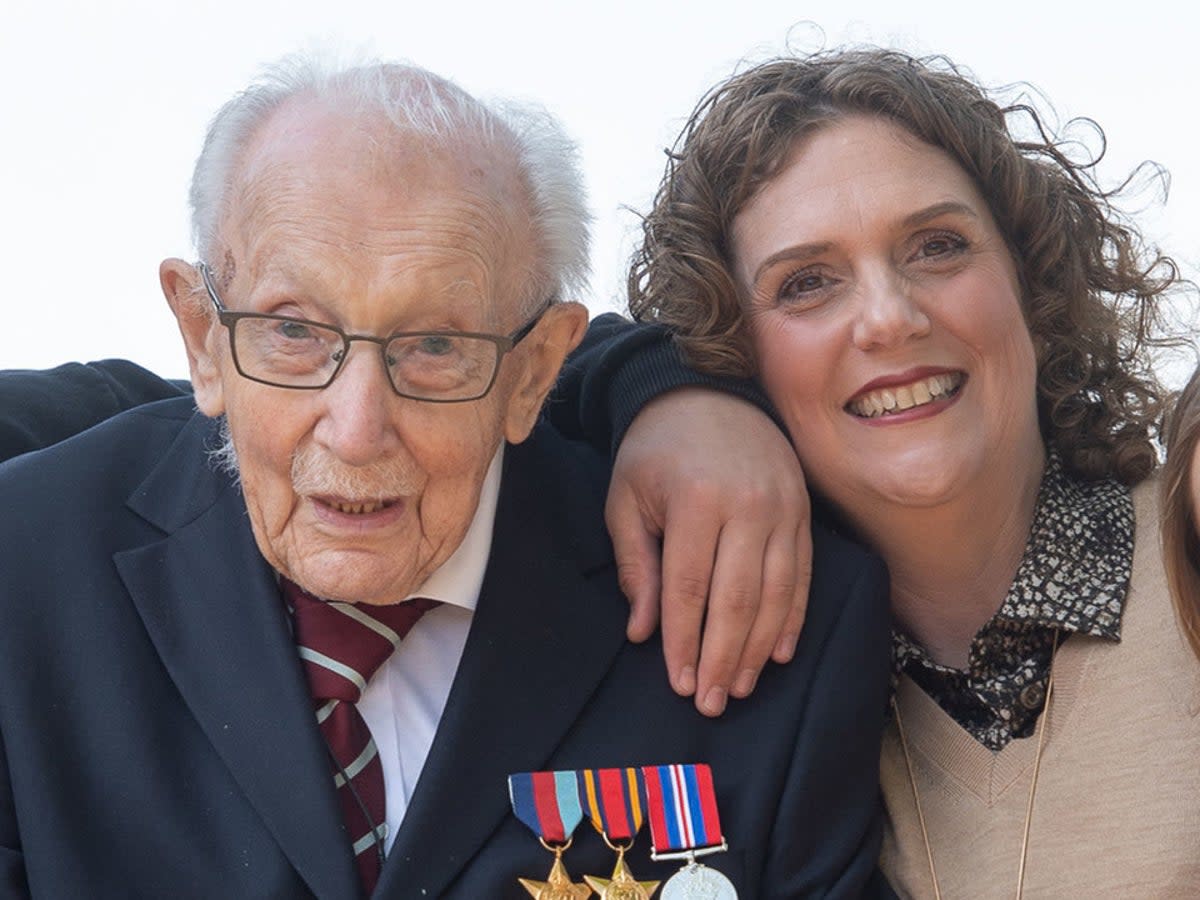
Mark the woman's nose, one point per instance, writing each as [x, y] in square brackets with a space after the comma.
[889, 313]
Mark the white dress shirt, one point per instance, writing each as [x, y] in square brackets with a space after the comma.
[403, 702]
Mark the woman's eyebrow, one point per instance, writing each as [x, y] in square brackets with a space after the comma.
[797, 253]
[921, 216]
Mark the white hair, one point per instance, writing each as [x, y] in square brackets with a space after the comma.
[420, 103]
[222, 455]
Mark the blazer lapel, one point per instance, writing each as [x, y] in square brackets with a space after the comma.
[212, 608]
[544, 635]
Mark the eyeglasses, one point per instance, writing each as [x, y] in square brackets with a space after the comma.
[436, 366]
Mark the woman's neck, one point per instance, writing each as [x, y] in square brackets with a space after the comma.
[951, 565]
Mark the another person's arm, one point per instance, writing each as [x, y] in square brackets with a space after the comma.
[707, 509]
[40, 408]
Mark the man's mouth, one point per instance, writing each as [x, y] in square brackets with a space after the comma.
[892, 400]
[355, 507]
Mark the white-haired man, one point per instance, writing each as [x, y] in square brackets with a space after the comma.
[376, 318]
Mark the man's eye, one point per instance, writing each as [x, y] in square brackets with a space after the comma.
[294, 331]
[436, 345]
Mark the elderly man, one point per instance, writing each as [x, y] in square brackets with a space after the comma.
[373, 325]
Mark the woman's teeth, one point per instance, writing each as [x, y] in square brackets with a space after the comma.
[881, 402]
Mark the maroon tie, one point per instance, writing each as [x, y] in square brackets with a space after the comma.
[341, 646]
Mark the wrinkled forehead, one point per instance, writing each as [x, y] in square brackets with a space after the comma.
[322, 187]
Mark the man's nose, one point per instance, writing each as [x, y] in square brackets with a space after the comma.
[890, 311]
[356, 423]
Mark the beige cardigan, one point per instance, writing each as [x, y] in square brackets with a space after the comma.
[1117, 810]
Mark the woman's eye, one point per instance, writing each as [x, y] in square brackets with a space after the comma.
[802, 283]
[940, 245]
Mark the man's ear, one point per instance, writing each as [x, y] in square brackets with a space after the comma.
[197, 323]
[543, 352]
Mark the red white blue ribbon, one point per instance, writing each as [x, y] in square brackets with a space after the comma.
[547, 802]
[682, 806]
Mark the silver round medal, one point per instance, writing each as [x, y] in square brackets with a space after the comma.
[697, 882]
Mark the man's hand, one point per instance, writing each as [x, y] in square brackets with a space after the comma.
[719, 483]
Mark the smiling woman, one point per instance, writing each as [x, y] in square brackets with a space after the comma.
[874, 275]
[954, 324]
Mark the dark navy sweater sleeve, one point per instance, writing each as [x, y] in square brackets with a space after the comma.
[41, 407]
[619, 368]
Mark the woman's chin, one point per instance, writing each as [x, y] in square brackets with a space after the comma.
[913, 480]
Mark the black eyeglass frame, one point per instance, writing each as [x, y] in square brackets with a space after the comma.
[230, 318]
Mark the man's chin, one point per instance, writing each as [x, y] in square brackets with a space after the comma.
[351, 577]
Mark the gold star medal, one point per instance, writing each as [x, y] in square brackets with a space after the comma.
[622, 885]
[681, 804]
[548, 804]
[558, 886]
[613, 801]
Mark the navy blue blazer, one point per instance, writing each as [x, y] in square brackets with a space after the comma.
[157, 739]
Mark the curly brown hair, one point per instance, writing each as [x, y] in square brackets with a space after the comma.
[1091, 292]
[1180, 545]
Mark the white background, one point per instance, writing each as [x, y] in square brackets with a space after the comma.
[104, 106]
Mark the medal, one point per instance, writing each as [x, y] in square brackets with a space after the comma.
[682, 806]
[548, 804]
[558, 885]
[612, 799]
[622, 885]
[698, 882]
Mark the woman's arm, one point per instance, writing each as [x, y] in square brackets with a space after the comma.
[707, 509]
[40, 408]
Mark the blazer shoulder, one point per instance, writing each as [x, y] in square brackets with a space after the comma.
[555, 487]
[849, 586]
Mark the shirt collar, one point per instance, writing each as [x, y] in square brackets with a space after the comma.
[1078, 561]
[458, 580]
[1073, 576]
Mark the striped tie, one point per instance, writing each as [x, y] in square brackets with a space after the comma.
[341, 646]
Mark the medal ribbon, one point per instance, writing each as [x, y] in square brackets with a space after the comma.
[682, 806]
[547, 802]
[613, 801]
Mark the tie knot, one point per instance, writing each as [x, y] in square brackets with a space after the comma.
[343, 644]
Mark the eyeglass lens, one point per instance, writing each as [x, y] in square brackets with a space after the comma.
[301, 354]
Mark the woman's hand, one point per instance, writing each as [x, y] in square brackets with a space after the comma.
[717, 481]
